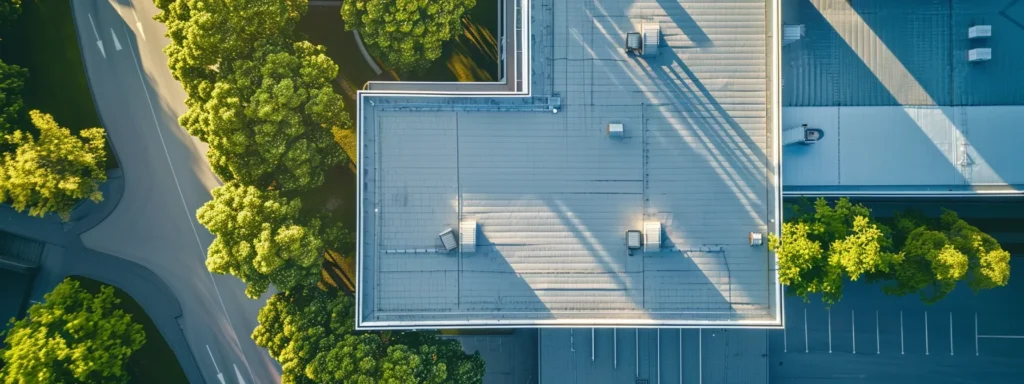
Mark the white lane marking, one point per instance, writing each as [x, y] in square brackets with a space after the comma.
[99, 42]
[878, 337]
[901, 333]
[806, 349]
[220, 376]
[241, 380]
[853, 324]
[139, 25]
[926, 332]
[680, 356]
[951, 333]
[830, 330]
[1001, 336]
[117, 44]
[174, 175]
[975, 333]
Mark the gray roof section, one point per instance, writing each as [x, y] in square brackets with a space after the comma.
[884, 52]
[599, 356]
[553, 195]
[890, 150]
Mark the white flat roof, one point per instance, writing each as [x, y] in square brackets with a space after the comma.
[553, 195]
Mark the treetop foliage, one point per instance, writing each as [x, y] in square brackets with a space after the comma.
[12, 82]
[72, 336]
[261, 239]
[407, 35]
[55, 171]
[822, 247]
[311, 333]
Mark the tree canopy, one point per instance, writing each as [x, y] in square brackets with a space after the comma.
[208, 36]
[12, 81]
[269, 122]
[822, 247]
[72, 336]
[310, 332]
[55, 172]
[261, 239]
[9, 11]
[407, 35]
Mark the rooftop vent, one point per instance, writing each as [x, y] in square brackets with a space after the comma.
[448, 239]
[633, 240]
[467, 235]
[634, 44]
[791, 33]
[802, 135]
[652, 236]
[616, 130]
[651, 38]
[756, 239]
[979, 54]
[979, 31]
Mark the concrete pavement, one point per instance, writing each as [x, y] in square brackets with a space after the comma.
[166, 179]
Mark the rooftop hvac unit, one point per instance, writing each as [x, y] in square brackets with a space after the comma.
[791, 33]
[616, 130]
[802, 135]
[652, 236]
[979, 54]
[467, 236]
[979, 31]
[756, 239]
[633, 240]
[651, 39]
[634, 44]
[448, 239]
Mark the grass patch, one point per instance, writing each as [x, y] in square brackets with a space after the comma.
[43, 40]
[154, 363]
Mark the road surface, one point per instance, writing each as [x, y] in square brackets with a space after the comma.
[167, 178]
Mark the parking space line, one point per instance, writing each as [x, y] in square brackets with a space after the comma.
[853, 328]
[901, 333]
[806, 349]
[785, 340]
[830, 330]
[1001, 336]
[951, 333]
[976, 334]
[878, 337]
[926, 332]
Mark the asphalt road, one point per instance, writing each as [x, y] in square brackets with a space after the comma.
[167, 178]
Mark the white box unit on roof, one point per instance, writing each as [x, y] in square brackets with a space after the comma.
[633, 240]
[652, 236]
[616, 130]
[651, 37]
[467, 236]
[448, 239]
[979, 31]
[979, 54]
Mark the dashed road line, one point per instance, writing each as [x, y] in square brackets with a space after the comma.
[806, 348]
[976, 352]
[878, 337]
[951, 333]
[853, 327]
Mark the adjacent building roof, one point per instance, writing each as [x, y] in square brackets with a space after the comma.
[902, 108]
[553, 195]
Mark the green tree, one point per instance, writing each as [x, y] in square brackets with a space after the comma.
[407, 35]
[820, 249]
[261, 239]
[208, 36]
[310, 332]
[55, 172]
[12, 81]
[72, 336]
[269, 123]
[9, 11]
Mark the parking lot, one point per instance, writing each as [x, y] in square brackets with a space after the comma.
[966, 337]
